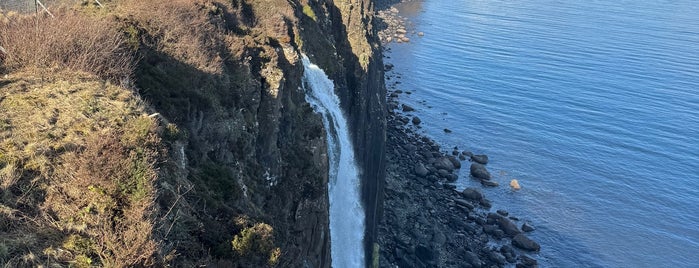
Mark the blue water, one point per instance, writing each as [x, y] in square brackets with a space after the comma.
[592, 105]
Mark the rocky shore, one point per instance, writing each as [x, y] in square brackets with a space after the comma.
[426, 221]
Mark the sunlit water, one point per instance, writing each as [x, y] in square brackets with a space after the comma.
[592, 105]
[346, 212]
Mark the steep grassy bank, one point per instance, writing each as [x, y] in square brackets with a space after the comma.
[178, 131]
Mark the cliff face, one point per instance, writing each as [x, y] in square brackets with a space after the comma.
[242, 163]
[250, 123]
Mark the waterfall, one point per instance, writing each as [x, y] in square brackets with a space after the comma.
[346, 212]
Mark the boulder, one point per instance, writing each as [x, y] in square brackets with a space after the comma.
[496, 257]
[515, 185]
[420, 170]
[444, 163]
[472, 194]
[446, 130]
[527, 228]
[480, 158]
[526, 243]
[407, 108]
[479, 171]
[425, 254]
[454, 161]
[527, 261]
[472, 258]
[489, 183]
[508, 227]
[416, 120]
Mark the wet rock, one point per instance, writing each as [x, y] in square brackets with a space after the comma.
[502, 212]
[446, 130]
[416, 120]
[526, 243]
[489, 183]
[467, 154]
[420, 170]
[454, 161]
[497, 257]
[444, 163]
[527, 228]
[472, 258]
[472, 194]
[464, 204]
[425, 254]
[462, 157]
[486, 203]
[420, 34]
[480, 158]
[407, 108]
[479, 171]
[443, 173]
[528, 262]
[508, 227]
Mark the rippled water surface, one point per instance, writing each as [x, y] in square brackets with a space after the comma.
[592, 105]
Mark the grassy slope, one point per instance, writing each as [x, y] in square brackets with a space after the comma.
[77, 165]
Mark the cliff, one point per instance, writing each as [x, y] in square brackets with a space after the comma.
[176, 132]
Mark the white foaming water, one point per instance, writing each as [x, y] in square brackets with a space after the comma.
[346, 212]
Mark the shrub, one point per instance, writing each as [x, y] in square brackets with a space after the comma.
[256, 244]
[70, 40]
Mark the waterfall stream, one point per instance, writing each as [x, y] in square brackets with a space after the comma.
[346, 212]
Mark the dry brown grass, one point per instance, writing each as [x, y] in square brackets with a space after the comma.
[70, 41]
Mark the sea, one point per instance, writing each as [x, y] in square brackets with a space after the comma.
[593, 106]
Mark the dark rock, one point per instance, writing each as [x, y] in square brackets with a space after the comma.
[486, 203]
[508, 227]
[479, 171]
[398, 91]
[467, 153]
[496, 257]
[462, 157]
[446, 130]
[464, 203]
[454, 161]
[444, 174]
[527, 228]
[499, 234]
[449, 186]
[524, 242]
[393, 95]
[502, 212]
[489, 229]
[416, 120]
[420, 170]
[528, 261]
[472, 194]
[487, 183]
[455, 153]
[480, 158]
[407, 108]
[425, 254]
[444, 163]
[472, 258]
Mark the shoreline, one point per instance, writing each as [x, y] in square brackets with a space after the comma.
[433, 224]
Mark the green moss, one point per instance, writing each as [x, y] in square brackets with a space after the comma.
[308, 11]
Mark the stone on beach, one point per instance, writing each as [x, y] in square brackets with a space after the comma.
[479, 171]
[480, 158]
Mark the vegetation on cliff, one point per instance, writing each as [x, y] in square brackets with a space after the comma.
[152, 133]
